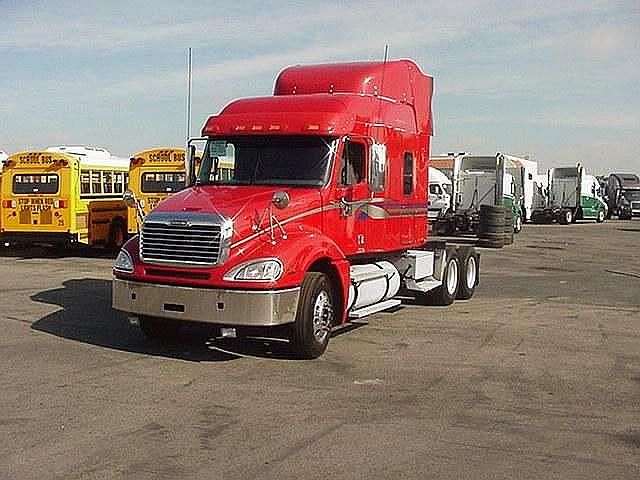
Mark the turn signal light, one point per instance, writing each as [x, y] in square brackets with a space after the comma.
[60, 204]
[9, 204]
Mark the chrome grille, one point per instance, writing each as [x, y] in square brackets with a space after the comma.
[189, 239]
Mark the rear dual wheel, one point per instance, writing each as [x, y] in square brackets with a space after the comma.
[566, 217]
[470, 263]
[459, 280]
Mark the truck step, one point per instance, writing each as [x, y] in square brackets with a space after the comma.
[376, 307]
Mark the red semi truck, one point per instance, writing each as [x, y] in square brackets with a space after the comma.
[324, 219]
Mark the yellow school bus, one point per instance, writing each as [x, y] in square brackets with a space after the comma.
[153, 176]
[64, 195]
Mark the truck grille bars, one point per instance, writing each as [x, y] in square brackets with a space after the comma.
[190, 239]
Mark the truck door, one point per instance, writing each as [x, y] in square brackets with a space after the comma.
[589, 200]
[353, 194]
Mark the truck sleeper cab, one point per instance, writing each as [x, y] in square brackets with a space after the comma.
[323, 219]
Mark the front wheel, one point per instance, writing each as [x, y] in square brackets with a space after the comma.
[600, 217]
[314, 317]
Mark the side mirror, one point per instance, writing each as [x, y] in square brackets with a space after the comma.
[189, 164]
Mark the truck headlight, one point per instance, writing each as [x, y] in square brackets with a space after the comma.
[261, 270]
[123, 262]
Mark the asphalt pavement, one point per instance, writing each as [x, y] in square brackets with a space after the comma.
[537, 376]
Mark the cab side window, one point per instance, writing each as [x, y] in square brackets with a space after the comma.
[407, 174]
[434, 189]
[353, 163]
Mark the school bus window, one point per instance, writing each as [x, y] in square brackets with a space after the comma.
[158, 182]
[107, 182]
[85, 183]
[118, 186]
[95, 182]
[35, 184]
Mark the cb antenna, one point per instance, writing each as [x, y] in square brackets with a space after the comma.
[189, 62]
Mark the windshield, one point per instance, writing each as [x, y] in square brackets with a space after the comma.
[447, 188]
[267, 160]
[158, 182]
[632, 195]
[37, 183]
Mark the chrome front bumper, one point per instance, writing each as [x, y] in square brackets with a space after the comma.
[248, 308]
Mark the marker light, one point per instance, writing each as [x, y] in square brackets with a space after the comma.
[313, 126]
[239, 128]
[256, 128]
[274, 127]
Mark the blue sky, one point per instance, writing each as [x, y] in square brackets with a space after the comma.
[556, 80]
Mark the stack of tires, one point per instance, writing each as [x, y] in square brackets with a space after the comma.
[491, 231]
[508, 226]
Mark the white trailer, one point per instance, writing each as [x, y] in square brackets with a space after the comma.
[524, 173]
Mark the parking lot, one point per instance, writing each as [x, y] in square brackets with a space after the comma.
[538, 376]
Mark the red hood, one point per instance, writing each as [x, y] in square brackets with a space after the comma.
[243, 204]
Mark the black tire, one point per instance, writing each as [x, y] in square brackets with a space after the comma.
[470, 273]
[566, 217]
[117, 235]
[162, 329]
[601, 216]
[315, 316]
[446, 293]
[491, 226]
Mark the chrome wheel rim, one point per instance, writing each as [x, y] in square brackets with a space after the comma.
[452, 277]
[322, 316]
[472, 270]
